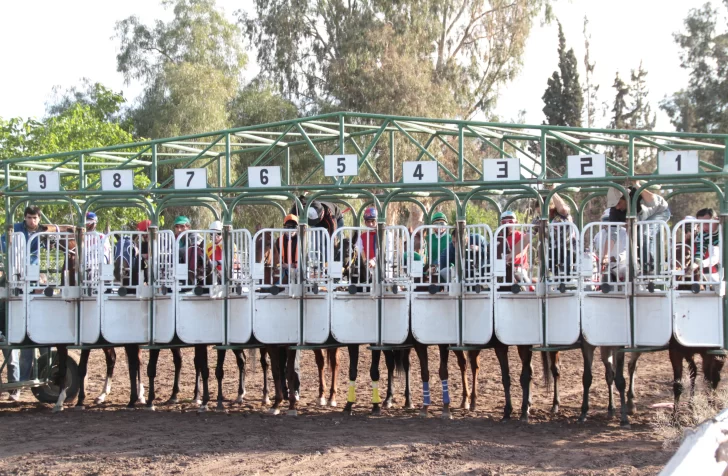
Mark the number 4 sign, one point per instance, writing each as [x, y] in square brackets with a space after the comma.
[675, 162]
[419, 172]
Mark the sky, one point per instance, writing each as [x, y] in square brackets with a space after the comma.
[72, 39]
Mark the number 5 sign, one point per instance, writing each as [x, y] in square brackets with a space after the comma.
[587, 166]
[340, 165]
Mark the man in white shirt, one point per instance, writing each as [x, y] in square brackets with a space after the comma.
[610, 246]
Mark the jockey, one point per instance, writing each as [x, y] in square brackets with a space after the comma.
[321, 214]
[438, 240]
[214, 250]
[286, 249]
[94, 240]
[707, 247]
[516, 247]
[144, 226]
[477, 253]
[366, 245]
[610, 247]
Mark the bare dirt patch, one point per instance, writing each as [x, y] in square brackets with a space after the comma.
[107, 440]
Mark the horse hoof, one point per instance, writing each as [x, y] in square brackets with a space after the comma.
[610, 413]
[555, 410]
[100, 399]
[333, 404]
[376, 411]
[292, 413]
[141, 401]
[202, 409]
[582, 419]
[505, 419]
[275, 411]
[150, 408]
[631, 408]
[79, 408]
[409, 406]
[524, 418]
[322, 402]
[266, 401]
[388, 404]
[172, 401]
[423, 414]
[446, 415]
[473, 407]
[57, 408]
[239, 400]
[625, 425]
[198, 402]
[129, 407]
[220, 407]
[463, 405]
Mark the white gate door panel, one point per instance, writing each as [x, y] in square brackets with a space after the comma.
[605, 316]
[605, 320]
[698, 317]
[395, 317]
[652, 310]
[317, 305]
[276, 317]
[51, 320]
[435, 317]
[90, 321]
[517, 315]
[477, 320]
[165, 257]
[354, 318]
[16, 295]
[239, 301]
[200, 318]
[126, 321]
[16, 332]
[562, 305]
[316, 311]
[478, 286]
[164, 319]
[650, 325]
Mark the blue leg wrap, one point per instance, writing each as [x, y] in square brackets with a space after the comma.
[426, 393]
[445, 392]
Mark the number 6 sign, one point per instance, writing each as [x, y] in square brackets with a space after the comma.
[268, 176]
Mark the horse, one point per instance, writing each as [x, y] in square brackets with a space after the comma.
[711, 364]
[68, 277]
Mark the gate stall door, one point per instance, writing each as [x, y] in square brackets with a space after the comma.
[698, 283]
[16, 290]
[164, 256]
[652, 296]
[51, 290]
[477, 286]
[517, 302]
[316, 296]
[396, 286]
[126, 297]
[93, 258]
[604, 289]
[200, 277]
[354, 303]
[276, 283]
[435, 294]
[563, 323]
[240, 312]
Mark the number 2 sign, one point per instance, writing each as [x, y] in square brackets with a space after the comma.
[587, 166]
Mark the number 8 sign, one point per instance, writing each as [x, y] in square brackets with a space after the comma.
[117, 180]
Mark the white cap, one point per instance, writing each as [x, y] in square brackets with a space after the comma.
[312, 213]
[216, 225]
[605, 214]
[690, 217]
[613, 197]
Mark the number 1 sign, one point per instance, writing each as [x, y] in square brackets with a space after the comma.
[676, 162]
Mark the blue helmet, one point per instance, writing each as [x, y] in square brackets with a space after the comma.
[370, 213]
[91, 217]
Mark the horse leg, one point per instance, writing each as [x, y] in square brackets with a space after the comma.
[501, 352]
[524, 352]
[632, 368]
[463, 366]
[321, 367]
[177, 359]
[151, 374]
[421, 351]
[333, 356]
[374, 374]
[219, 374]
[240, 360]
[555, 361]
[621, 385]
[607, 356]
[62, 353]
[587, 352]
[474, 357]
[82, 370]
[264, 365]
[201, 367]
[275, 365]
[353, 370]
[391, 363]
[444, 356]
[676, 360]
[110, 354]
[132, 360]
[292, 377]
[140, 400]
[405, 353]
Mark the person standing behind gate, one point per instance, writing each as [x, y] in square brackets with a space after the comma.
[20, 362]
[476, 257]
[91, 223]
[366, 245]
[650, 207]
[707, 246]
[611, 248]
[437, 240]
[516, 248]
[321, 214]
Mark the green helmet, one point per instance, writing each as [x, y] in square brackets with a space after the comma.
[439, 216]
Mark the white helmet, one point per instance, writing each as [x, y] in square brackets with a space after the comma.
[216, 225]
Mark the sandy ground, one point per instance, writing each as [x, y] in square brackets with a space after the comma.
[104, 439]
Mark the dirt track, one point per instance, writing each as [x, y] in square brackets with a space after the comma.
[105, 439]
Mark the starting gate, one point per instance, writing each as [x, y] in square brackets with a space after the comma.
[435, 293]
[51, 291]
[477, 286]
[125, 296]
[16, 289]
[605, 318]
[165, 257]
[517, 291]
[239, 302]
[316, 296]
[91, 264]
[276, 279]
[698, 286]
[562, 303]
[201, 286]
[652, 279]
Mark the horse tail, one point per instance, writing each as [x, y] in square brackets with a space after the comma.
[251, 357]
[546, 369]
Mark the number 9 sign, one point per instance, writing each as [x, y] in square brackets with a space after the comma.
[44, 181]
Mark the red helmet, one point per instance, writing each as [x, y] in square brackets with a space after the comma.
[144, 225]
[370, 213]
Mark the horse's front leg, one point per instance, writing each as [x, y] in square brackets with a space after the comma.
[333, 356]
[390, 362]
[152, 374]
[607, 355]
[264, 365]
[110, 355]
[62, 353]
[587, 353]
[132, 360]
[463, 366]
[82, 370]
[632, 368]
[219, 375]
[474, 357]
[374, 375]
[501, 352]
[444, 356]
[240, 360]
[292, 378]
[421, 351]
[353, 370]
[621, 385]
[405, 354]
[177, 360]
[524, 352]
[555, 361]
[275, 365]
[321, 367]
[676, 360]
[201, 368]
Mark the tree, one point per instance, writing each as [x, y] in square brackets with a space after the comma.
[465, 49]
[591, 90]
